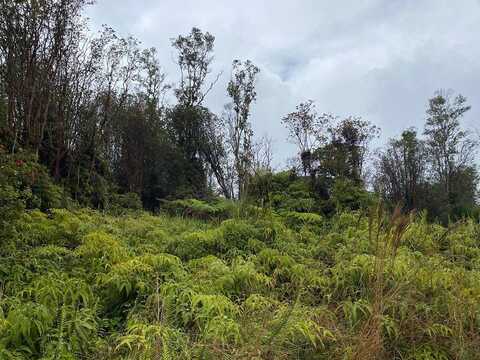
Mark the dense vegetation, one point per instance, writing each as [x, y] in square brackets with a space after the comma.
[135, 228]
[100, 114]
[230, 280]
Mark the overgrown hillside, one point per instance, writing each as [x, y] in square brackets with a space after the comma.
[138, 223]
[258, 285]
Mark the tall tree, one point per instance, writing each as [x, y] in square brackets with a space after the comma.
[401, 171]
[194, 60]
[241, 89]
[140, 117]
[451, 149]
[215, 152]
[307, 130]
[345, 154]
[35, 39]
[188, 120]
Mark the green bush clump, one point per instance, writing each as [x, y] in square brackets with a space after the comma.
[197, 244]
[198, 209]
[120, 203]
[101, 249]
[23, 175]
[24, 184]
[297, 220]
[236, 233]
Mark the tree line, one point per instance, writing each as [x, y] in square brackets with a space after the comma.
[434, 171]
[94, 111]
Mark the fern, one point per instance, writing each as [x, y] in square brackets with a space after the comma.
[264, 284]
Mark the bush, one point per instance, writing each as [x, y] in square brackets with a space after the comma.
[119, 203]
[31, 181]
[297, 220]
[197, 244]
[236, 233]
[197, 209]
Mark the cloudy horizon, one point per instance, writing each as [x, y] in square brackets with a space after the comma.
[381, 60]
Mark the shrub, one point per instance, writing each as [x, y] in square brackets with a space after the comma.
[101, 250]
[236, 233]
[197, 244]
[297, 220]
[120, 203]
[197, 209]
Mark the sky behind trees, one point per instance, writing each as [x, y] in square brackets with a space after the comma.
[381, 60]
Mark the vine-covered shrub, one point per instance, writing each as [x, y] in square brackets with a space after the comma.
[23, 184]
[23, 175]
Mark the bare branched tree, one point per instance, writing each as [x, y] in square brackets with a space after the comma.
[263, 155]
[36, 38]
[307, 130]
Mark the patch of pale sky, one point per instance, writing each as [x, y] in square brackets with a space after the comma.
[380, 59]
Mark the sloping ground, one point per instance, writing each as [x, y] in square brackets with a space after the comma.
[80, 285]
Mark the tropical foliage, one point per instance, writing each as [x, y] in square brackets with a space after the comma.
[79, 284]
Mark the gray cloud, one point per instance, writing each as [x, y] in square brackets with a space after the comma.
[380, 59]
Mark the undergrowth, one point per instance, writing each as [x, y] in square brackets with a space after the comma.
[224, 283]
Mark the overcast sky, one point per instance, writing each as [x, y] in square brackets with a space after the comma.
[379, 59]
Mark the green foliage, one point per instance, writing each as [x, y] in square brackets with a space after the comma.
[21, 173]
[301, 268]
[197, 244]
[23, 184]
[297, 220]
[197, 209]
[101, 250]
[147, 341]
[269, 285]
[119, 203]
[348, 196]
[291, 193]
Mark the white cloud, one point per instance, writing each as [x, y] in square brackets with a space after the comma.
[380, 59]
